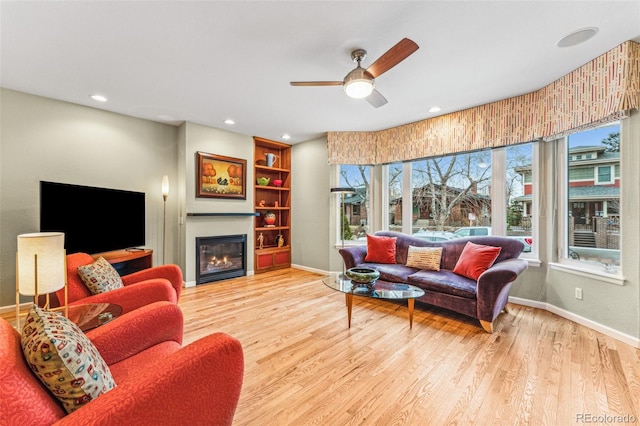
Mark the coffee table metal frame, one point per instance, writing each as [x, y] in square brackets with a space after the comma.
[381, 290]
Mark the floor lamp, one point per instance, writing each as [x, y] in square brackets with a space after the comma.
[342, 191]
[40, 268]
[165, 194]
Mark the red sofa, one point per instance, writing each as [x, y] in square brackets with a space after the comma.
[160, 283]
[158, 381]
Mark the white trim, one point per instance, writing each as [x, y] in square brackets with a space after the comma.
[12, 308]
[532, 261]
[584, 271]
[608, 331]
[314, 270]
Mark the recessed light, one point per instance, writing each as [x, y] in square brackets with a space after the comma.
[99, 98]
[229, 122]
[577, 37]
[435, 109]
[286, 136]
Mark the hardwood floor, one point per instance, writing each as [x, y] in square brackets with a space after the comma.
[304, 366]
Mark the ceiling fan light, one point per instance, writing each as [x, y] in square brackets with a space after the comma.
[358, 89]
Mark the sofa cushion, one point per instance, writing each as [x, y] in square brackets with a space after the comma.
[424, 258]
[475, 259]
[395, 273]
[444, 281]
[64, 359]
[100, 276]
[381, 249]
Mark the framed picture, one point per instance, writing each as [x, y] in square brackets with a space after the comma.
[221, 177]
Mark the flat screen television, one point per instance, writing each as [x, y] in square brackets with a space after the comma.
[94, 220]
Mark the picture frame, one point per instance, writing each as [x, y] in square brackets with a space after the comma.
[220, 177]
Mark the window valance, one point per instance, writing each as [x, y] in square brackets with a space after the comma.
[600, 91]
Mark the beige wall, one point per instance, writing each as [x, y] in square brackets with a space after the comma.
[44, 139]
[220, 142]
[310, 200]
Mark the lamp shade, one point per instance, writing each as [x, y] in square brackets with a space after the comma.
[358, 83]
[165, 186]
[47, 249]
[343, 190]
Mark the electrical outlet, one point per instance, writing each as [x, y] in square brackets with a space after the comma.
[578, 293]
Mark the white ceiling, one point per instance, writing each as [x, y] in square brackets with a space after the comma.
[206, 61]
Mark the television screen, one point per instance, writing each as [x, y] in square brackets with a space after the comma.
[94, 220]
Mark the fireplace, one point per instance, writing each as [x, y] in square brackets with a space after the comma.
[220, 257]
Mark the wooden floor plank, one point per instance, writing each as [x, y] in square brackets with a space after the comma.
[304, 366]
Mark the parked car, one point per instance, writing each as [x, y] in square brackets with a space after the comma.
[527, 241]
[435, 235]
[474, 231]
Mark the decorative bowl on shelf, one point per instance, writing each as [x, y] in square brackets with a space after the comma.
[277, 182]
[263, 181]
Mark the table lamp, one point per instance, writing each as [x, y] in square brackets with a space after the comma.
[40, 267]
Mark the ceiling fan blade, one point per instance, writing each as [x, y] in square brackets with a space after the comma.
[376, 99]
[392, 57]
[316, 83]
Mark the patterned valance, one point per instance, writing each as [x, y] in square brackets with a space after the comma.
[599, 91]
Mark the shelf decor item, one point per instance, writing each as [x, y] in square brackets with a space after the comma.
[269, 219]
[220, 177]
[263, 181]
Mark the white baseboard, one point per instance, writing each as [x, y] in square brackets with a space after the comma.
[608, 331]
[314, 270]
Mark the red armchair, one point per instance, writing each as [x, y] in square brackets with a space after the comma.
[140, 288]
[158, 381]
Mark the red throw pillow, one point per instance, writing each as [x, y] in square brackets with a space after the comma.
[381, 249]
[475, 259]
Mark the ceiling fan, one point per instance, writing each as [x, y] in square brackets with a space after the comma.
[360, 83]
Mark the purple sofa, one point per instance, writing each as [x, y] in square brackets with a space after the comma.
[484, 299]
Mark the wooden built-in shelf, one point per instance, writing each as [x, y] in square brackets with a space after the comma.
[272, 256]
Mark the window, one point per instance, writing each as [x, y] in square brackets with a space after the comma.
[451, 194]
[519, 194]
[604, 174]
[592, 231]
[354, 214]
[394, 185]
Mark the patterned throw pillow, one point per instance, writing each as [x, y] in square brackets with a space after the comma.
[64, 359]
[424, 257]
[100, 276]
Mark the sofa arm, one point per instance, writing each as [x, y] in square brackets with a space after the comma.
[134, 296]
[492, 282]
[353, 256]
[169, 272]
[199, 384]
[137, 331]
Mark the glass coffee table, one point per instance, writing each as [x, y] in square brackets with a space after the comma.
[381, 290]
[92, 315]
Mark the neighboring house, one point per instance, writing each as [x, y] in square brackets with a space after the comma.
[594, 184]
[473, 206]
[594, 192]
[356, 207]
